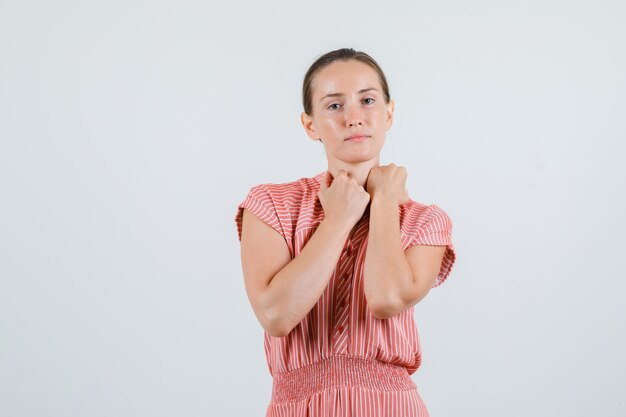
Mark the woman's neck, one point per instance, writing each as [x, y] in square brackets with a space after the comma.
[359, 174]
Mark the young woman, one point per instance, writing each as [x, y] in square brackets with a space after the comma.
[333, 264]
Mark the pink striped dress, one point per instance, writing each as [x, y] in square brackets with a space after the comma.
[340, 360]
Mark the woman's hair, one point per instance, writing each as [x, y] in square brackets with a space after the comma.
[343, 54]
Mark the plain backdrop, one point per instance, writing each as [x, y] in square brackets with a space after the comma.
[131, 130]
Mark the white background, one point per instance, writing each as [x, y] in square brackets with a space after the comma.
[130, 131]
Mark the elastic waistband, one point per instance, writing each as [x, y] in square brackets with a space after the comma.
[336, 371]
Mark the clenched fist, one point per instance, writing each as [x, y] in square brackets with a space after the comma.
[344, 200]
[388, 182]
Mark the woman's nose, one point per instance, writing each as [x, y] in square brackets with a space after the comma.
[354, 116]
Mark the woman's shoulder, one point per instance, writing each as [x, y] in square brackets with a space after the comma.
[418, 208]
[416, 214]
[291, 190]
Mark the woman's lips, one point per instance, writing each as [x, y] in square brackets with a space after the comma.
[358, 138]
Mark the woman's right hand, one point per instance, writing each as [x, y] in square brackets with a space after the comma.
[344, 201]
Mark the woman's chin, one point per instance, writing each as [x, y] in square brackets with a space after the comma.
[355, 158]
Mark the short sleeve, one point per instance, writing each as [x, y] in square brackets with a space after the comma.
[432, 227]
[259, 201]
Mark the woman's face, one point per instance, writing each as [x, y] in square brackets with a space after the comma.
[348, 99]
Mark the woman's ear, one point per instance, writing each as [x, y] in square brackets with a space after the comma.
[309, 127]
[390, 107]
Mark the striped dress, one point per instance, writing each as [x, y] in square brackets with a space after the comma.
[340, 360]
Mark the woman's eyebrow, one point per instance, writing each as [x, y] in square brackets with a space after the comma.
[342, 94]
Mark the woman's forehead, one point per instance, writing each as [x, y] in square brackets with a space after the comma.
[345, 79]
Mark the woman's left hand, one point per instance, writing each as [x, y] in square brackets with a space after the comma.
[388, 182]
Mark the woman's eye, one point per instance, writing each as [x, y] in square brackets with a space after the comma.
[337, 104]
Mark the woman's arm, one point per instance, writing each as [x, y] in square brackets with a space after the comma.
[394, 279]
[282, 290]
